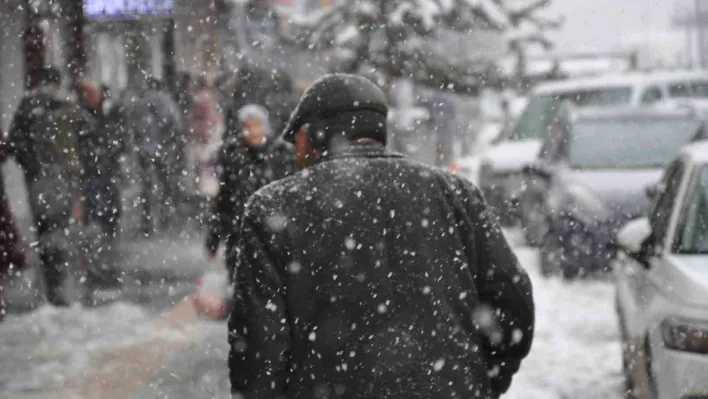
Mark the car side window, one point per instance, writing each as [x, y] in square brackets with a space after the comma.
[693, 229]
[652, 95]
[668, 188]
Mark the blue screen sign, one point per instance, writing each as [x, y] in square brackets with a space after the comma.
[128, 9]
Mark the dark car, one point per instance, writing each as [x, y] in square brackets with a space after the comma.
[594, 172]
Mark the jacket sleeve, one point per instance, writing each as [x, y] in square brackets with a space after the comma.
[259, 331]
[504, 289]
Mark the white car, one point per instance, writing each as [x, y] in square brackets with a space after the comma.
[500, 168]
[661, 272]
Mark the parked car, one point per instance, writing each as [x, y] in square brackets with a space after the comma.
[592, 176]
[499, 174]
[661, 271]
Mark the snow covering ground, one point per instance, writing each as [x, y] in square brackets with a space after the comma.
[52, 353]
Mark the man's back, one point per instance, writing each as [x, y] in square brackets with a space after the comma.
[376, 277]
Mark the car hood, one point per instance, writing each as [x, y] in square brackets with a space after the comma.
[691, 283]
[623, 191]
[512, 156]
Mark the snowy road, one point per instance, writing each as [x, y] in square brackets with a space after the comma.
[124, 351]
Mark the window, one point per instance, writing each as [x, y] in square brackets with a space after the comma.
[652, 95]
[641, 142]
[668, 188]
[693, 232]
[681, 90]
[689, 89]
[539, 113]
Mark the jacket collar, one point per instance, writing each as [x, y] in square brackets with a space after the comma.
[360, 149]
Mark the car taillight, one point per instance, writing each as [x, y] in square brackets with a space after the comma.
[685, 335]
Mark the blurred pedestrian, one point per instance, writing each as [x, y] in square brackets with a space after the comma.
[45, 139]
[106, 143]
[248, 161]
[206, 129]
[12, 250]
[157, 130]
[370, 276]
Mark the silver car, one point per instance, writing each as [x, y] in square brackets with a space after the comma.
[662, 286]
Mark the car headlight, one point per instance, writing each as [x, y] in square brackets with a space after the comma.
[685, 335]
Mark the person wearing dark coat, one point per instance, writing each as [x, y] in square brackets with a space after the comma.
[248, 162]
[47, 139]
[367, 275]
[106, 142]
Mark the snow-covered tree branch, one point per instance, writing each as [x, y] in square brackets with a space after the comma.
[404, 37]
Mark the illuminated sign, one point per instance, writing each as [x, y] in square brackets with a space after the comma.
[128, 9]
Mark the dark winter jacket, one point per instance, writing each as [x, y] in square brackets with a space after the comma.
[22, 139]
[371, 276]
[55, 176]
[105, 140]
[244, 170]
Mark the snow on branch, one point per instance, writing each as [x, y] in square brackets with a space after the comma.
[388, 34]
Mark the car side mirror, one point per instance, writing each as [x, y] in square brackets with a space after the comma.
[538, 169]
[633, 236]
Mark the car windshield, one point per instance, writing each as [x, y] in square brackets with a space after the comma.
[534, 121]
[693, 238]
[628, 143]
[695, 89]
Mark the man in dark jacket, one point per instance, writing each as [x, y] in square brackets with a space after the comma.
[156, 126]
[105, 142]
[249, 160]
[46, 140]
[370, 276]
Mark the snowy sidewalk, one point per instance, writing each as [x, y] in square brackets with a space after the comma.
[122, 351]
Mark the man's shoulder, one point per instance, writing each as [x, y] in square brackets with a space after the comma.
[287, 187]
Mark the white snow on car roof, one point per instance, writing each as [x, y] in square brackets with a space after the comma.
[697, 151]
[620, 80]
